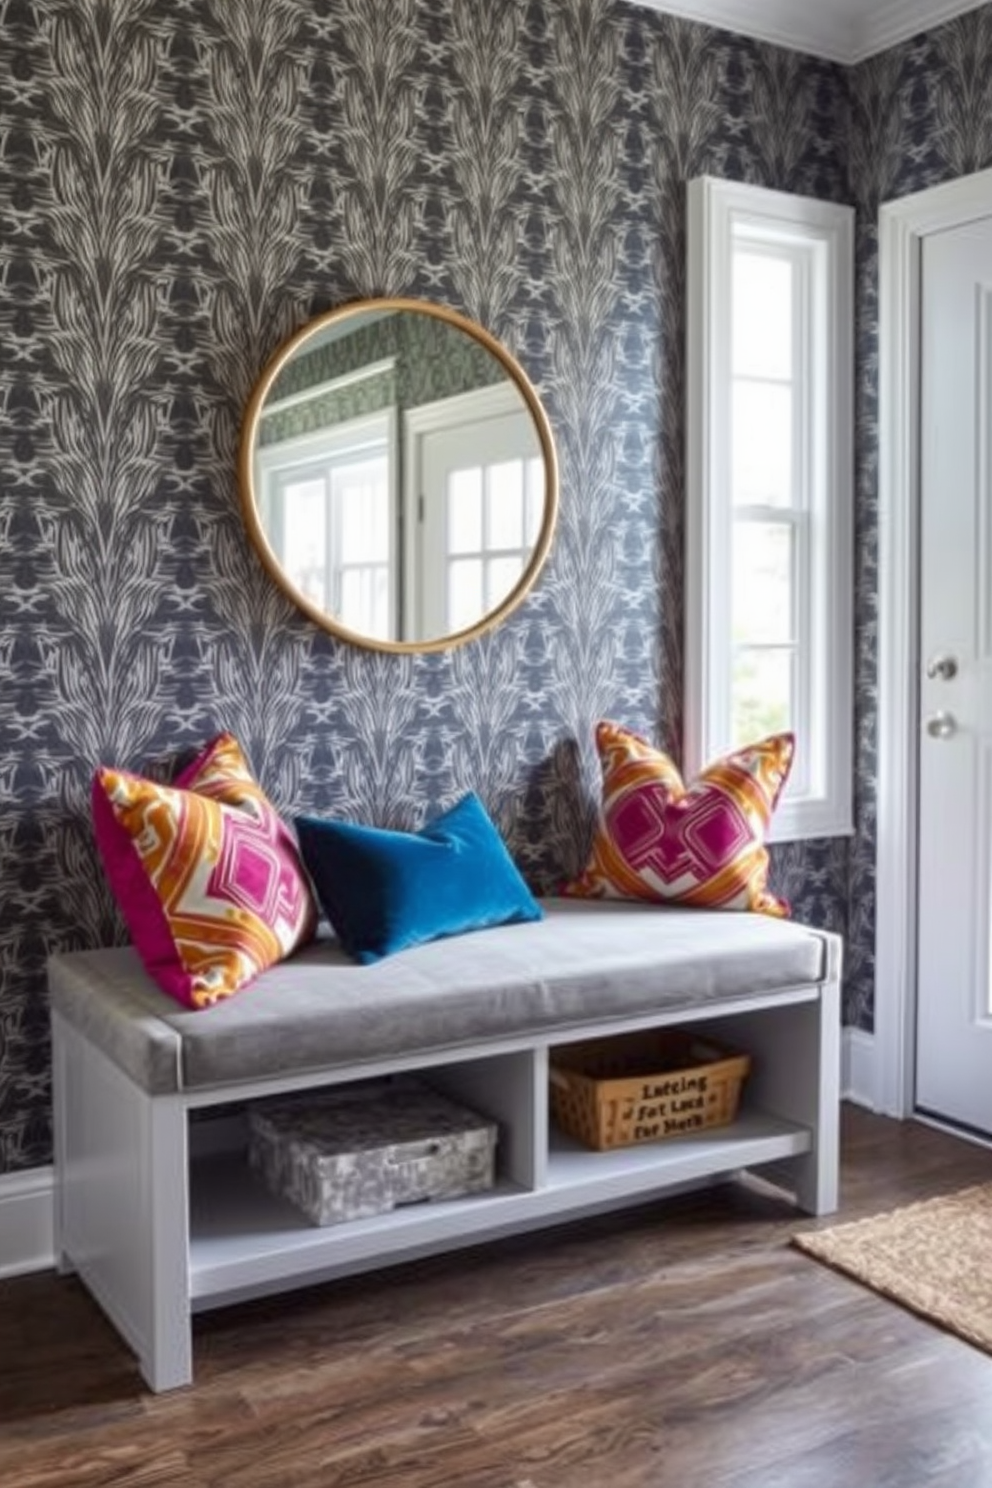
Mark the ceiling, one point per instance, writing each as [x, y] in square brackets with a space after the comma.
[842, 30]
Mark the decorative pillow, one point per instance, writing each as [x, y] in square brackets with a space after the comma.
[207, 876]
[697, 844]
[385, 891]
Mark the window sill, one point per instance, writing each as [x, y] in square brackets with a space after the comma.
[809, 822]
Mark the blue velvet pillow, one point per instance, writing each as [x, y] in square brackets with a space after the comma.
[384, 891]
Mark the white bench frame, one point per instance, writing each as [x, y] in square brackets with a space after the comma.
[154, 1243]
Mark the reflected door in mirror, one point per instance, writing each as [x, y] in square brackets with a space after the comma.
[480, 484]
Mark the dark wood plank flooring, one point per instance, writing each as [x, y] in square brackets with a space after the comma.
[680, 1343]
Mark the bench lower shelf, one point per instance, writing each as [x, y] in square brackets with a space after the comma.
[243, 1239]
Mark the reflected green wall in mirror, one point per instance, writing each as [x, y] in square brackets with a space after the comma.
[398, 475]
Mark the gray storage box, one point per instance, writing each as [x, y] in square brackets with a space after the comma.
[365, 1149]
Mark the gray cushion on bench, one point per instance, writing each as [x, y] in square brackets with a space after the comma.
[586, 963]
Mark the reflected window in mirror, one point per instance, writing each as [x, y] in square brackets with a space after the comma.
[326, 503]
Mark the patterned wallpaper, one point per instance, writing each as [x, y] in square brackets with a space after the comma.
[184, 182]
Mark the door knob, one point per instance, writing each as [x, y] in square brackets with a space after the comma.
[942, 725]
[942, 666]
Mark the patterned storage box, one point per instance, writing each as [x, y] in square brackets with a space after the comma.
[365, 1149]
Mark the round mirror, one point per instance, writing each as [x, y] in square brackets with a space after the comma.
[398, 475]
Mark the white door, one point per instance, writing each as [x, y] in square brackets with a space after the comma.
[954, 1006]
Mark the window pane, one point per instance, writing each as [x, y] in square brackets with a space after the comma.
[762, 315]
[465, 596]
[365, 600]
[762, 583]
[535, 499]
[379, 623]
[502, 574]
[761, 444]
[465, 511]
[362, 490]
[505, 506]
[304, 537]
[762, 693]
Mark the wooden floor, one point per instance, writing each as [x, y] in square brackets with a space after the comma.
[683, 1343]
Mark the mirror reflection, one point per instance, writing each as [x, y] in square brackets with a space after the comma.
[399, 475]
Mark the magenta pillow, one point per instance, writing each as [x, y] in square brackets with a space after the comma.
[207, 876]
[699, 842]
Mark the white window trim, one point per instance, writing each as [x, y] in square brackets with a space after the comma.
[353, 436]
[367, 431]
[714, 209]
[333, 385]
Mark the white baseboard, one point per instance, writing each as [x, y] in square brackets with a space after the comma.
[26, 1228]
[857, 1068]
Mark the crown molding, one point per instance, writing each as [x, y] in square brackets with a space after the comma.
[837, 30]
[894, 21]
[799, 26]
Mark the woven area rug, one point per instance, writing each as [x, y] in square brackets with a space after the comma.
[934, 1257]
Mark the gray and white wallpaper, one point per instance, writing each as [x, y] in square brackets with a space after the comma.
[183, 183]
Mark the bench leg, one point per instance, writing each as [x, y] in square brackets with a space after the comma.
[796, 1075]
[817, 1186]
[122, 1204]
[167, 1358]
[60, 1145]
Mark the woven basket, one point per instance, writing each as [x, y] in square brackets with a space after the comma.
[643, 1087]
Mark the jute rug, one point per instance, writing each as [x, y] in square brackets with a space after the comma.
[934, 1257]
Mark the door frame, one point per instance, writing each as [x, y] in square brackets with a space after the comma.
[903, 225]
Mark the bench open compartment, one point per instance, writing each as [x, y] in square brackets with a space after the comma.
[643, 1087]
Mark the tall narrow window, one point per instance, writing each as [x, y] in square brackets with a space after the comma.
[769, 457]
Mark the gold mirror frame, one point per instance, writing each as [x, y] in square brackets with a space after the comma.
[249, 501]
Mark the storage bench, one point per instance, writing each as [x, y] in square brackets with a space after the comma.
[158, 1210]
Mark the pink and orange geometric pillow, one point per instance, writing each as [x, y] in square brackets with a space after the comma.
[208, 878]
[699, 844]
